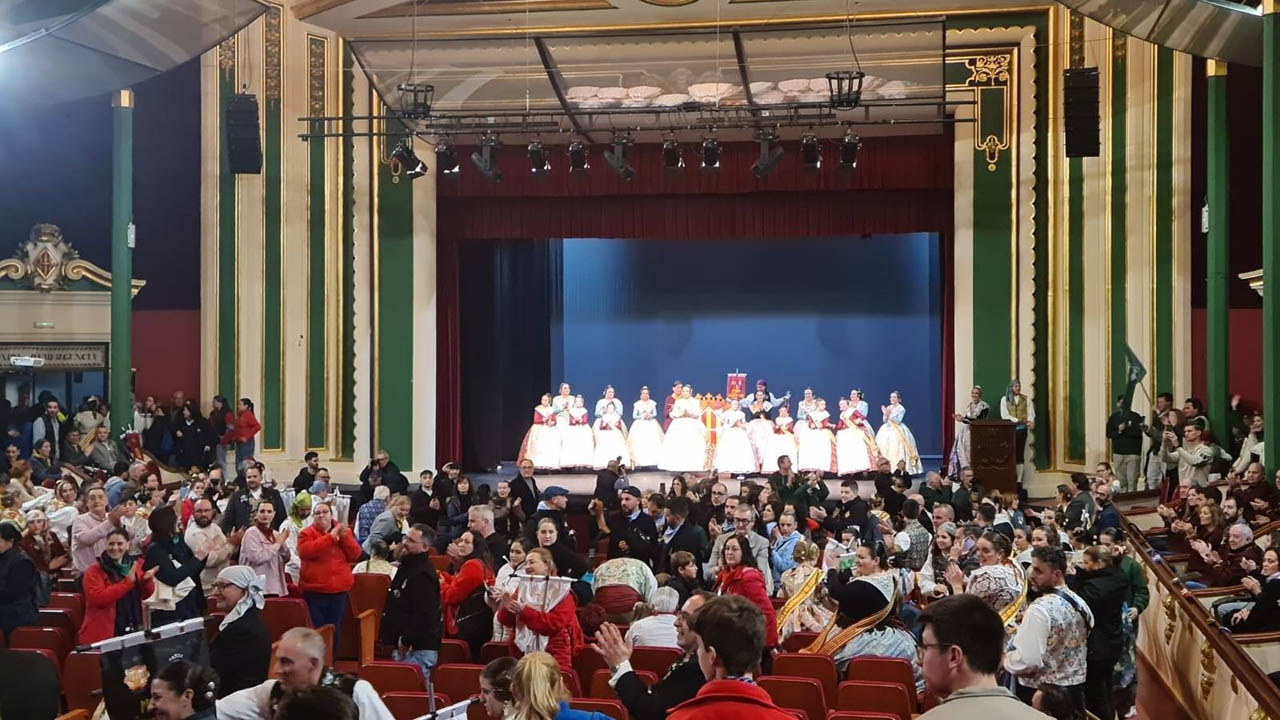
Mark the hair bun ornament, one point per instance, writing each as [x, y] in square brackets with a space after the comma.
[210, 692]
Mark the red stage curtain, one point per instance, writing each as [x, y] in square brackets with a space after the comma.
[902, 184]
[448, 365]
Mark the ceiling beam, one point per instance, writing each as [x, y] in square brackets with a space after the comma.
[309, 8]
[557, 85]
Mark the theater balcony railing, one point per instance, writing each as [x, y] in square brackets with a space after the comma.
[1208, 671]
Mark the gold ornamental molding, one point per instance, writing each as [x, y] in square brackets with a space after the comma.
[47, 262]
[990, 73]
[499, 7]
[1170, 616]
[227, 57]
[1208, 668]
[271, 41]
[317, 48]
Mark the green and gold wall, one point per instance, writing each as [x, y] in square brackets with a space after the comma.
[319, 274]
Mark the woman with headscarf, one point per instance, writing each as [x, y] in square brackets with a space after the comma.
[265, 550]
[977, 409]
[45, 549]
[114, 587]
[241, 652]
[63, 508]
[299, 518]
[180, 596]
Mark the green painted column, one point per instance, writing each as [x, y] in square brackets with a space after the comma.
[121, 392]
[1217, 247]
[1271, 225]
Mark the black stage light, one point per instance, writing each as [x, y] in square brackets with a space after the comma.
[849, 147]
[578, 157]
[484, 161]
[447, 159]
[710, 154]
[410, 165]
[617, 157]
[415, 99]
[811, 152]
[539, 163]
[770, 154]
[672, 156]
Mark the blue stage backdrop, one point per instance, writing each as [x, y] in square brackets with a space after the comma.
[828, 313]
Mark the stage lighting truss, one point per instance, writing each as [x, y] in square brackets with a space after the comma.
[617, 157]
[850, 145]
[578, 161]
[710, 154]
[810, 152]
[484, 160]
[770, 153]
[447, 159]
[539, 163]
[405, 162]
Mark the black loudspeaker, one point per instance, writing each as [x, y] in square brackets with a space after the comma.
[244, 144]
[1080, 111]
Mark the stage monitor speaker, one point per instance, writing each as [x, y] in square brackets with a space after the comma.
[1080, 111]
[244, 144]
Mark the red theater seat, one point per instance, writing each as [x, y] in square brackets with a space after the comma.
[818, 667]
[388, 677]
[459, 681]
[881, 697]
[885, 669]
[796, 693]
[410, 705]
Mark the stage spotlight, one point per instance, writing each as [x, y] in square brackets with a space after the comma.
[849, 147]
[811, 152]
[617, 158]
[710, 154]
[539, 163]
[672, 156]
[578, 157]
[484, 160]
[770, 154]
[447, 159]
[410, 165]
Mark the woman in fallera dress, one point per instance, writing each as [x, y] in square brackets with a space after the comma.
[577, 444]
[760, 426]
[646, 431]
[611, 438]
[609, 399]
[895, 439]
[856, 450]
[734, 451]
[563, 401]
[977, 409]
[817, 444]
[541, 444]
[685, 446]
[782, 442]
[806, 406]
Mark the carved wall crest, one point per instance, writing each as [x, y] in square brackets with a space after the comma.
[47, 262]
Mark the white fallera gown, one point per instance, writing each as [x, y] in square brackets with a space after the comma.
[734, 452]
[782, 442]
[541, 444]
[685, 446]
[611, 440]
[854, 445]
[577, 447]
[896, 441]
[646, 434]
[817, 445]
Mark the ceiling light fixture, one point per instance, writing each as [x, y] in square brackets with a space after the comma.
[710, 154]
[770, 154]
[539, 163]
[672, 155]
[811, 152]
[484, 160]
[578, 161]
[447, 159]
[617, 157]
[410, 165]
[849, 147]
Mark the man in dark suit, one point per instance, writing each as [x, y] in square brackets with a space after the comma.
[679, 684]
[632, 533]
[607, 486]
[524, 488]
[240, 505]
[680, 535]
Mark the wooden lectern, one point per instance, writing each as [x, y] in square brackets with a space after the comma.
[993, 454]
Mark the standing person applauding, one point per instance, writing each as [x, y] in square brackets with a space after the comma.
[326, 548]
[113, 590]
[462, 593]
[178, 568]
[266, 551]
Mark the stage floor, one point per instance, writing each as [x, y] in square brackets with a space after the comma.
[582, 485]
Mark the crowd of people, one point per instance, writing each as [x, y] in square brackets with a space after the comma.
[686, 567]
[738, 436]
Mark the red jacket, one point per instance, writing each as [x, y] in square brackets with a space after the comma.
[455, 589]
[729, 700]
[559, 625]
[749, 583]
[326, 563]
[245, 428]
[100, 596]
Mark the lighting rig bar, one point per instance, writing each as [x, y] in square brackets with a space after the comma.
[690, 116]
